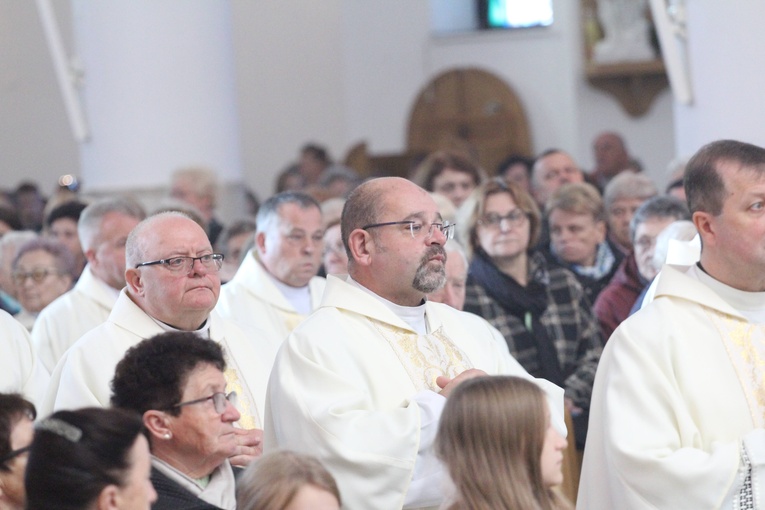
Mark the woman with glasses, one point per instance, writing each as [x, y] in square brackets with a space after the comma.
[89, 459]
[176, 382]
[16, 430]
[42, 270]
[541, 310]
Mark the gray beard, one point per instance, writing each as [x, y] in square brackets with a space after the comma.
[429, 280]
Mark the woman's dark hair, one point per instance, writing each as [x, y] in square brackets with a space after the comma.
[76, 454]
[153, 373]
[13, 407]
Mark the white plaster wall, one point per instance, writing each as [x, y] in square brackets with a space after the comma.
[337, 72]
[35, 140]
[725, 48]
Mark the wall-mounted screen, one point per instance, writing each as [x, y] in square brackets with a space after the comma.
[515, 13]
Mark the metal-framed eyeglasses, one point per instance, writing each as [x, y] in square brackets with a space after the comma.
[219, 399]
[37, 275]
[418, 230]
[211, 262]
[514, 218]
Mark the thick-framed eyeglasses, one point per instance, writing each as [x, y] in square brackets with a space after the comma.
[37, 275]
[418, 230]
[514, 218]
[211, 262]
[13, 454]
[219, 401]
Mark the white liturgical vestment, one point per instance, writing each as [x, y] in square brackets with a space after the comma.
[343, 383]
[20, 369]
[678, 407]
[60, 324]
[83, 376]
[251, 299]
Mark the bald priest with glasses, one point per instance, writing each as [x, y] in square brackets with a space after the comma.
[361, 382]
[172, 285]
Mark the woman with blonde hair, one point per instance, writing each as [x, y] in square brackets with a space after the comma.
[499, 446]
[286, 480]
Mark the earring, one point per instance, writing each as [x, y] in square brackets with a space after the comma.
[168, 435]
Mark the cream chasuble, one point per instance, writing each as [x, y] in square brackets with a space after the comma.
[342, 387]
[677, 412]
[83, 375]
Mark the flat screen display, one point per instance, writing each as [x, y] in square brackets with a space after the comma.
[515, 13]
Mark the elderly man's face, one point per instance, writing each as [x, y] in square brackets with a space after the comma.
[291, 247]
[619, 215]
[645, 244]
[175, 297]
[107, 258]
[610, 155]
[551, 172]
[453, 292]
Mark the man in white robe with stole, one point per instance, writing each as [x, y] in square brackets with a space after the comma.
[362, 382]
[276, 286]
[678, 409]
[172, 284]
[103, 228]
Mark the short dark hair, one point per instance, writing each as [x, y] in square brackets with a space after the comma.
[10, 217]
[153, 373]
[13, 407]
[75, 454]
[269, 210]
[513, 160]
[663, 206]
[70, 209]
[437, 162]
[704, 188]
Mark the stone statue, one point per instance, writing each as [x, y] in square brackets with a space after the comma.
[626, 32]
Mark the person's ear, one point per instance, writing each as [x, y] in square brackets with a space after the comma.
[157, 424]
[108, 498]
[90, 256]
[361, 245]
[706, 227]
[260, 242]
[134, 281]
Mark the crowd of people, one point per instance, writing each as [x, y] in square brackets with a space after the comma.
[392, 342]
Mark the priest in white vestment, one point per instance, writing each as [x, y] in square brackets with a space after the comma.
[103, 228]
[20, 369]
[362, 382]
[172, 284]
[678, 410]
[276, 286]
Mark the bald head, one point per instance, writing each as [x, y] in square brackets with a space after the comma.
[611, 155]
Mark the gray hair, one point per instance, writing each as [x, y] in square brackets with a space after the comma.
[659, 207]
[64, 259]
[268, 214]
[628, 185]
[11, 242]
[89, 224]
[135, 247]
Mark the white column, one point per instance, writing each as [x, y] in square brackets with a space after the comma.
[159, 90]
[725, 49]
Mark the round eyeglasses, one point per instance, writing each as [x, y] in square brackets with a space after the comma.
[211, 262]
[417, 228]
